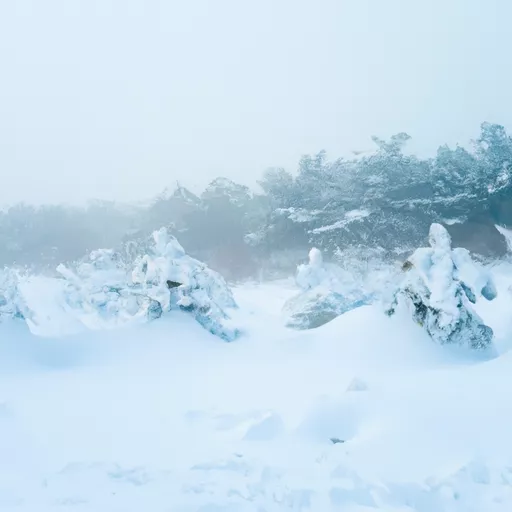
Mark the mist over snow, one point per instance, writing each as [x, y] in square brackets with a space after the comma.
[117, 99]
[255, 256]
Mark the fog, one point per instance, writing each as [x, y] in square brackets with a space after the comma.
[119, 99]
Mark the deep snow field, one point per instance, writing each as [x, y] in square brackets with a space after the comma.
[363, 414]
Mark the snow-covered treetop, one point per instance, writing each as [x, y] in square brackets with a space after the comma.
[440, 264]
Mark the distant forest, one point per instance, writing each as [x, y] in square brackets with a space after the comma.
[376, 205]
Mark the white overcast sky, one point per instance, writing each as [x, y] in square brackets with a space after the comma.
[117, 99]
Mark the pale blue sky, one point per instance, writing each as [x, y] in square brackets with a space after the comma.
[119, 98]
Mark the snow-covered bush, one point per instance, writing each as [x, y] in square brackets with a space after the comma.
[104, 291]
[438, 287]
[99, 292]
[12, 304]
[174, 279]
[327, 291]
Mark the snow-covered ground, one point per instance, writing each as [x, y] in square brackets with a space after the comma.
[363, 414]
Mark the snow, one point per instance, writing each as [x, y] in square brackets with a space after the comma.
[439, 286]
[507, 234]
[298, 214]
[362, 414]
[105, 292]
[326, 291]
[349, 217]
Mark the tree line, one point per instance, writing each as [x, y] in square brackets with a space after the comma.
[376, 204]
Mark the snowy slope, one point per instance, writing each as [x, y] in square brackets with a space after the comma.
[166, 417]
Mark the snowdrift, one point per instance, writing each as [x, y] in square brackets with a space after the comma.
[363, 413]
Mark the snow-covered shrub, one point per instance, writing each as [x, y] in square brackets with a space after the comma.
[174, 279]
[12, 304]
[104, 291]
[99, 292]
[327, 291]
[438, 287]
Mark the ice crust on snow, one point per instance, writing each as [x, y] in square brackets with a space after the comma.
[439, 286]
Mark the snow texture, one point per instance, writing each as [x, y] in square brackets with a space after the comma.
[439, 286]
[124, 420]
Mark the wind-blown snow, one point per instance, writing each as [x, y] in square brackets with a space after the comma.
[362, 414]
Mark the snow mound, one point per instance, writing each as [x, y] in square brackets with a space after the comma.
[438, 287]
[327, 291]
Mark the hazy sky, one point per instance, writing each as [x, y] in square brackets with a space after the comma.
[119, 98]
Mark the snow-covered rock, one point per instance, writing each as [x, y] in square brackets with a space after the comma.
[438, 287]
[326, 292]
